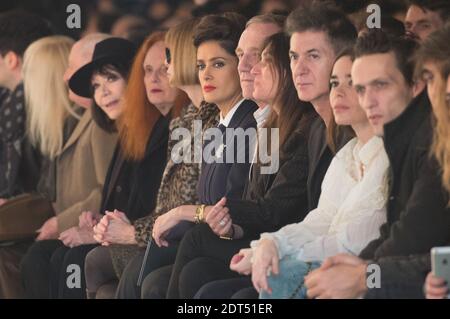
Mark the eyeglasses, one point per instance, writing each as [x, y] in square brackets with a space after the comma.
[168, 57]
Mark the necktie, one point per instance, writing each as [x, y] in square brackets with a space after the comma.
[222, 128]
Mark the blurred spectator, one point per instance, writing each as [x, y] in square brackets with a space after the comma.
[100, 22]
[181, 14]
[357, 12]
[17, 165]
[215, 6]
[389, 25]
[126, 24]
[269, 6]
[160, 10]
[106, 6]
[426, 16]
[54, 12]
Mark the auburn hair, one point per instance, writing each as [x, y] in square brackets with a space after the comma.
[139, 116]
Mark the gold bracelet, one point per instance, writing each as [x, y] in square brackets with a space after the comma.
[199, 214]
[202, 213]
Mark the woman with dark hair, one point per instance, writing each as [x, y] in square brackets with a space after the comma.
[216, 38]
[275, 194]
[352, 205]
[149, 102]
[180, 178]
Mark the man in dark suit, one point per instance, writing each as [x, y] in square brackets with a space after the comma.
[317, 32]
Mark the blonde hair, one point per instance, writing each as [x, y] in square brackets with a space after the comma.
[46, 94]
[184, 54]
[436, 49]
[441, 145]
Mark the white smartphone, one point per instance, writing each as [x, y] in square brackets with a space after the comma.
[440, 263]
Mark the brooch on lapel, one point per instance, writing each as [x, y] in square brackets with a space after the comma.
[220, 150]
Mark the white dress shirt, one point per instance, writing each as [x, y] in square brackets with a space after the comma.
[351, 209]
[227, 119]
[261, 115]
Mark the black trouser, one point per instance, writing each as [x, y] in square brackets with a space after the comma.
[156, 283]
[201, 258]
[397, 290]
[10, 259]
[246, 293]
[228, 289]
[44, 270]
[72, 257]
[36, 269]
[157, 257]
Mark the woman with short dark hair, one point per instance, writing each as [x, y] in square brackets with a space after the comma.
[216, 38]
[272, 198]
[180, 178]
[138, 163]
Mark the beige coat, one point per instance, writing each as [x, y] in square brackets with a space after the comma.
[81, 170]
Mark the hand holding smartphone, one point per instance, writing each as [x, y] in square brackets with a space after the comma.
[440, 263]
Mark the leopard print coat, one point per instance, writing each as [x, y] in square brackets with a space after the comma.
[178, 186]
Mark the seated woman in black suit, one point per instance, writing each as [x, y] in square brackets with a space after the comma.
[269, 201]
[180, 178]
[216, 38]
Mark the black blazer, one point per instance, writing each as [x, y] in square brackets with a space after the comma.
[417, 216]
[320, 157]
[272, 201]
[133, 189]
[402, 277]
[226, 179]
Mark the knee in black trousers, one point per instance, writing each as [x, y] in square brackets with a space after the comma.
[35, 268]
[156, 283]
[201, 242]
[225, 288]
[56, 262]
[246, 293]
[157, 257]
[73, 257]
[199, 272]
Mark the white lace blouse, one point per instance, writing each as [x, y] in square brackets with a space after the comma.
[352, 206]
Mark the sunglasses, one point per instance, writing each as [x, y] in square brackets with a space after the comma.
[168, 57]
